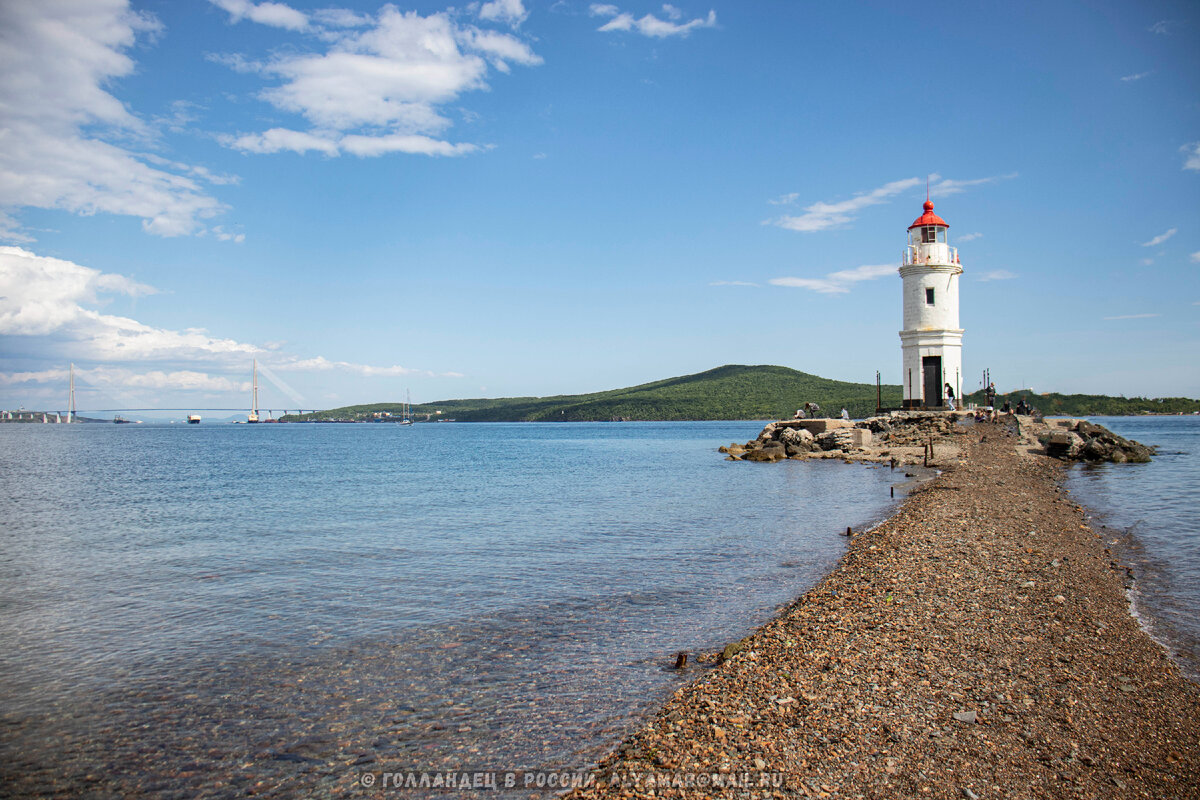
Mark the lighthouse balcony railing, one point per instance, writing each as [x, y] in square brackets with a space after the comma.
[910, 256]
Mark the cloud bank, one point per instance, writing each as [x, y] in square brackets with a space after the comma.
[378, 84]
[64, 138]
[48, 314]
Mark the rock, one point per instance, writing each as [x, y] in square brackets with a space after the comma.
[966, 716]
[796, 436]
[770, 432]
[771, 451]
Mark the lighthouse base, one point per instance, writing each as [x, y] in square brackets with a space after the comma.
[932, 359]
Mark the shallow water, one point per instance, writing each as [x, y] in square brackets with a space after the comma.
[1151, 516]
[209, 610]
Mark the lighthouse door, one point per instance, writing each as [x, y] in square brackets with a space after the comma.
[931, 366]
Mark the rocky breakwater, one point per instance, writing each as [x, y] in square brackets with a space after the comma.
[902, 437]
[926, 437]
[1080, 440]
[977, 644]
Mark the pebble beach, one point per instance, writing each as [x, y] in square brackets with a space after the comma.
[977, 644]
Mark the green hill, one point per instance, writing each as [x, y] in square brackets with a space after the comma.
[729, 392]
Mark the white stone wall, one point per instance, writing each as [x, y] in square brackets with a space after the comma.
[943, 314]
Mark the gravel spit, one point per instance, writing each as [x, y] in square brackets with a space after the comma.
[977, 644]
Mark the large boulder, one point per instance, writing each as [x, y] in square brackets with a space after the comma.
[1087, 441]
[774, 451]
[797, 441]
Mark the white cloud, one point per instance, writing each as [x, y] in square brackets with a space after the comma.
[650, 25]
[186, 380]
[785, 199]
[403, 143]
[822, 216]
[732, 283]
[945, 186]
[228, 236]
[1134, 316]
[385, 82]
[997, 275]
[1162, 237]
[1163, 26]
[59, 62]
[838, 282]
[1191, 155]
[44, 297]
[1137, 76]
[320, 364]
[509, 11]
[46, 315]
[277, 15]
[278, 139]
[1145, 262]
[1195, 257]
[969, 237]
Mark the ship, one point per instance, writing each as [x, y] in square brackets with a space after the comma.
[193, 419]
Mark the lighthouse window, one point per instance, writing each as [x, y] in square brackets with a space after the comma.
[929, 296]
[929, 235]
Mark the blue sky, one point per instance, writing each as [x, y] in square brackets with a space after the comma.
[520, 197]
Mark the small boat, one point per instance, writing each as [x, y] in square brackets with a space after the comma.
[406, 413]
[193, 419]
[119, 420]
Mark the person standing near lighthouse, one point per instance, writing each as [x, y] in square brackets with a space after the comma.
[931, 342]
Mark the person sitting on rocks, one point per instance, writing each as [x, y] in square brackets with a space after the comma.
[845, 415]
[1007, 408]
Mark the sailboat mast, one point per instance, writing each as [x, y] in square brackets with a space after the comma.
[71, 397]
[253, 416]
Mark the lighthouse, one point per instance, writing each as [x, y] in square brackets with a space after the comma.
[931, 341]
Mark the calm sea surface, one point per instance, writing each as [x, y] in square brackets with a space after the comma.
[209, 610]
[1151, 514]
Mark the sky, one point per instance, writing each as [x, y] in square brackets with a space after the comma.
[538, 197]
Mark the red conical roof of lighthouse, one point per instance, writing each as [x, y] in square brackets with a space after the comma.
[929, 218]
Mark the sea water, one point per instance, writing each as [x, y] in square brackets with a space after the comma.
[216, 610]
[1150, 516]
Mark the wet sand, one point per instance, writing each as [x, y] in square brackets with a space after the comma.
[977, 644]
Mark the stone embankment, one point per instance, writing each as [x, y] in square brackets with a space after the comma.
[977, 644]
[912, 437]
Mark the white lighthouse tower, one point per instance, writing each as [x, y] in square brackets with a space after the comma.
[931, 340]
